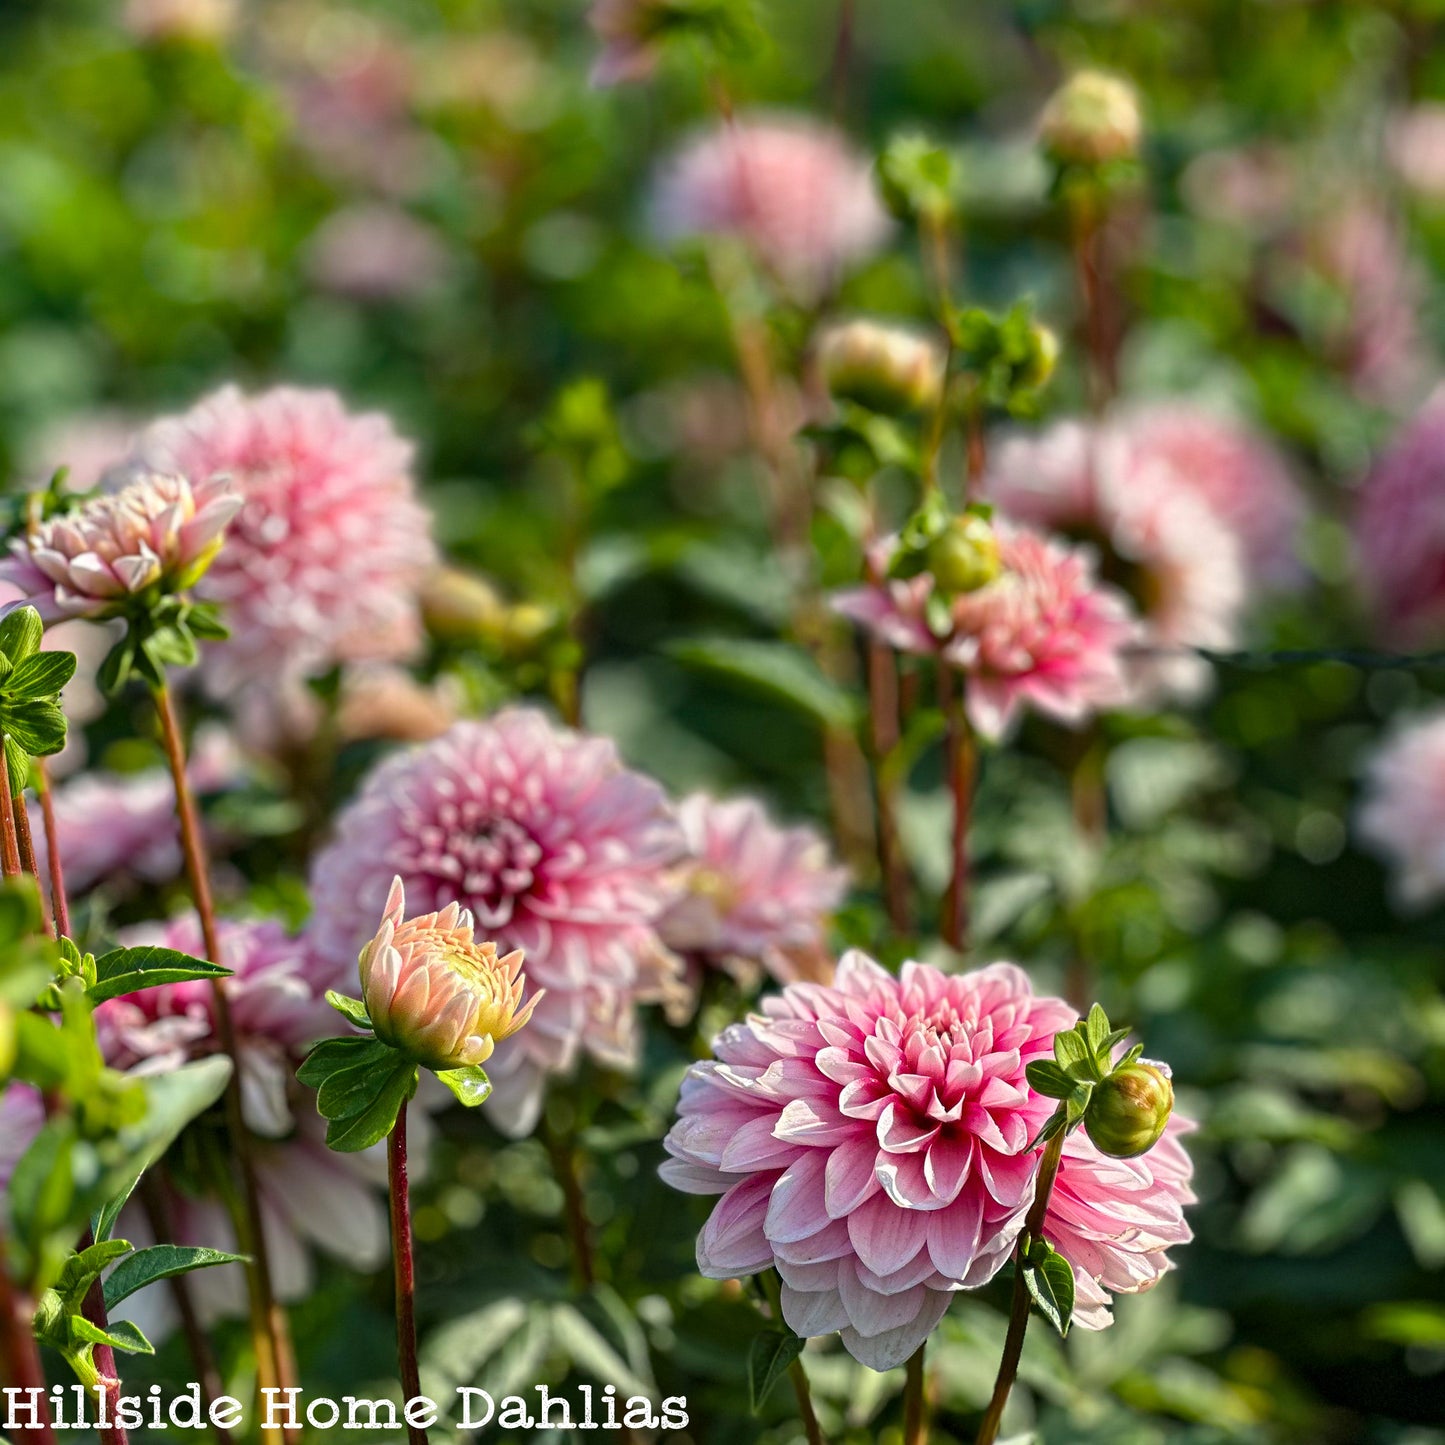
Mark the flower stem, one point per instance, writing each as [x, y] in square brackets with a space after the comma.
[574, 1206]
[915, 1403]
[1087, 226]
[93, 1308]
[1018, 1320]
[18, 1351]
[883, 722]
[9, 841]
[269, 1332]
[403, 1260]
[959, 753]
[59, 904]
[796, 1373]
[28, 864]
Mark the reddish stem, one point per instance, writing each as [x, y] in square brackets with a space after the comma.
[269, 1331]
[27, 856]
[58, 901]
[18, 1352]
[405, 1267]
[1088, 242]
[93, 1308]
[9, 842]
[959, 755]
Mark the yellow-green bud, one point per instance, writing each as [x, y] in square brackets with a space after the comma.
[1043, 357]
[1091, 119]
[7, 1040]
[1128, 1111]
[460, 606]
[888, 369]
[964, 556]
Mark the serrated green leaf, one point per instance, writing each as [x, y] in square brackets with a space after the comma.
[470, 1085]
[1050, 1280]
[161, 1261]
[350, 1008]
[372, 1124]
[770, 1355]
[41, 675]
[124, 970]
[121, 1335]
[352, 1090]
[332, 1056]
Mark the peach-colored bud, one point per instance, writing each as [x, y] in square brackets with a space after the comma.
[435, 993]
[1093, 118]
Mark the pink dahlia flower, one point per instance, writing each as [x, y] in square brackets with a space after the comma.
[1114, 1220]
[323, 563]
[793, 191]
[1402, 816]
[870, 1140]
[1400, 529]
[310, 1196]
[159, 531]
[752, 892]
[1045, 634]
[1159, 539]
[552, 845]
[87, 444]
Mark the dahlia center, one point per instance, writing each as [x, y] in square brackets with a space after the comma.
[498, 866]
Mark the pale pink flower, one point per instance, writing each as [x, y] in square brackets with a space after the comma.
[1115, 1220]
[870, 1140]
[323, 563]
[115, 826]
[1400, 529]
[1415, 146]
[791, 190]
[376, 253]
[1159, 538]
[629, 49]
[1256, 186]
[310, 1197]
[159, 531]
[1046, 634]
[431, 990]
[22, 1114]
[752, 892]
[87, 445]
[1402, 815]
[552, 845]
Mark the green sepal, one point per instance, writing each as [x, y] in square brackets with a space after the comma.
[470, 1084]
[20, 633]
[352, 1009]
[373, 1123]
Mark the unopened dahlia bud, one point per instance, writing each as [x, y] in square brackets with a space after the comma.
[1128, 1111]
[965, 555]
[888, 369]
[459, 606]
[1038, 371]
[436, 994]
[1091, 119]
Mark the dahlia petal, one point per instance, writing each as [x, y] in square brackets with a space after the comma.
[732, 1241]
[813, 1312]
[850, 1176]
[796, 1209]
[885, 1237]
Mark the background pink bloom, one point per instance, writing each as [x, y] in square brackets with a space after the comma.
[869, 1139]
[556, 849]
[373, 252]
[1402, 816]
[323, 563]
[1400, 528]
[792, 190]
[310, 1196]
[1045, 634]
[1114, 1220]
[752, 891]
[1160, 540]
[22, 1113]
[628, 52]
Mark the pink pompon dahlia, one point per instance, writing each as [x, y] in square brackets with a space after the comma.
[1400, 529]
[794, 192]
[160, 532]
[553, 846]
[434, 992]
[1402, 815]
[1044, 634]
[310, 1197]
[753, 892]
[1158, 539]
[869, 1139]
[1114, 1220]
[323, 563]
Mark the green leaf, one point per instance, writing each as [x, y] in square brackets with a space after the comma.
[1047, 1078]
[161, 1261]
[20, 632]
[374, 1123]
[782, 671]
[1097, 1027]
[124, 970]
[351, 1008]
[353, 1089]
[42, 1186]
[333, 1056]
[1052, 1125]
[41, 675]
[1072, 1054]
[121, 1335]
[103, 1221]
[471, 1084]
[83, 1269]
[19, 911]
[118, 667]
[769, 1356]
[37, 724]
[1050, 1280]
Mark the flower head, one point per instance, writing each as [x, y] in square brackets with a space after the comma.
[157, 535]
[1091, 119]
[870, 1139]
[435, 993]
[1114, 1220]
[751, 891]
[886, 368]
[323, 562]
[794, 192]
[1402, 817]
[553, 846]
[1045, 633]
[1129, 1110]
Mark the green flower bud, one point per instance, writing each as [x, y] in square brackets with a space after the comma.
[964, 556]
[1093, 118]
[888, 369]
[1128, 1111]
[7, 1040]
[1043, 357]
